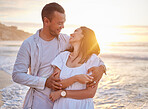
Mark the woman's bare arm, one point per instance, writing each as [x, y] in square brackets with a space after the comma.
[69, 81]
[89, 92]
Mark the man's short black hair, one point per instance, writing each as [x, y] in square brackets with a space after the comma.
[50, 8]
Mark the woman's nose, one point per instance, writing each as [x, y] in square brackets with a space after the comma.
[62, 26]
[71, 34]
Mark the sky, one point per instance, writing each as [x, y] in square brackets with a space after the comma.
[112, 20]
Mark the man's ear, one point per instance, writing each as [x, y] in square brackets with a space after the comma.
[46, 21]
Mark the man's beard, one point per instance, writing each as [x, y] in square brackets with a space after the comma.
[53, 33]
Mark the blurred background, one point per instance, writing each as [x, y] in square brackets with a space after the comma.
[121, 28]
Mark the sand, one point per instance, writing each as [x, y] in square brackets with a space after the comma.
[5, 80]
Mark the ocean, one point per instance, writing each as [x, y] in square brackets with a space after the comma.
[124, 87]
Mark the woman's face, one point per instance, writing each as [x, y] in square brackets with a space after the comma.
[77, 36]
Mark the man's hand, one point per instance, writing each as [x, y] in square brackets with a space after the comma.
[97, 73]
[53, 82]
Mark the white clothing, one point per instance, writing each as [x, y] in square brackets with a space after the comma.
[67, 72]
[30, 55]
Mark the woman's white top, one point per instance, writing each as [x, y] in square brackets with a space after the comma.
[67, 72]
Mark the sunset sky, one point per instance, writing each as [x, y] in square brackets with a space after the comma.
[112, 20]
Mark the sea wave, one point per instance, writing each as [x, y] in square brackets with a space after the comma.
[129, 44]
[7, 63]
[127, 57]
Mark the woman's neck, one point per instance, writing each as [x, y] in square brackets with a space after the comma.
[76, 50]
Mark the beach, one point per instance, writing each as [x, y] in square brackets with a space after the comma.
[124, 87]
[5, 80]
[12, 94]
[120, 28]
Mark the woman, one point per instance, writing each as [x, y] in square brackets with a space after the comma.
[71, 66]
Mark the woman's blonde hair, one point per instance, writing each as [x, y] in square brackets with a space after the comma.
[89, 45]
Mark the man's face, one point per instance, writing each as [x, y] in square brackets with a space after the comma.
[57, 23]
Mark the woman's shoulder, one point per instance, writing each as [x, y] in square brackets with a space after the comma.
[63, 54]
[93, 57]
[92, 61]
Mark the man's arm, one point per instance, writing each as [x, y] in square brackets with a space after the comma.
[97, 71]
[21, 66]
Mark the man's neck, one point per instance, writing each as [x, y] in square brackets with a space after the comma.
[45, 35]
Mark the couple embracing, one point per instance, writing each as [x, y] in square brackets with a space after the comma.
[63, 71]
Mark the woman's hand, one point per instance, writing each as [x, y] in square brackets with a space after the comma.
[55, 95]
[53, 82]
[83, 78]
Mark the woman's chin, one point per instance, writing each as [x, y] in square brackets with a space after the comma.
[70, 41]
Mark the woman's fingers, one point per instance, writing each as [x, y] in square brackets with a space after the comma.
[57, 83]
[90, 77]
[55, 87]
[87, 79]
[56, 79]
[55, 73]
[51, 98]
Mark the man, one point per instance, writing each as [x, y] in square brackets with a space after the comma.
[37, 52]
